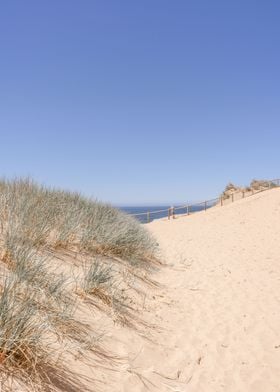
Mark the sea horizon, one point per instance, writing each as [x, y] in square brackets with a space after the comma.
[147, 213]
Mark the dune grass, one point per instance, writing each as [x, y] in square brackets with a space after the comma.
[98, 280]
[41, 216]
[23, 345]
[36, 312]
[37, 303]
[96, 275]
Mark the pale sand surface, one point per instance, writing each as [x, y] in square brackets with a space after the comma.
[216, 314]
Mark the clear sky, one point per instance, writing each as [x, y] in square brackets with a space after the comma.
[135, 102]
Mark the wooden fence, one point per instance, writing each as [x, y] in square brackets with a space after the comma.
[188, 209]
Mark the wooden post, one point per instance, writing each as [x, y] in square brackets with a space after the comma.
[168, 213]
[188, 212]
[148, 217]
[205, 205]
[232, 197]
[243, 194]
[221, 201]
[173, 213]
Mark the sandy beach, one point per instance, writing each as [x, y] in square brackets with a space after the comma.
[216, 314]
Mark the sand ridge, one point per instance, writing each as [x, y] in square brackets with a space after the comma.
[217, 310]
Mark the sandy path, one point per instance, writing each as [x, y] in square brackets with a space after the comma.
[219, 306]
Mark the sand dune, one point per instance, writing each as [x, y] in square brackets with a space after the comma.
[207, 320]
[216, 314]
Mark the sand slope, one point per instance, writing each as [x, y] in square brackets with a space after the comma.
[217, 312]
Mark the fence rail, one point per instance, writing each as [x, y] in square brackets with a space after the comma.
[188, 208]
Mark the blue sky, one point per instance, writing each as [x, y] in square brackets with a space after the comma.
[140, 102]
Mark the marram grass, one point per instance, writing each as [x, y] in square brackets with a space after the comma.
[37, 305]
[41, 216]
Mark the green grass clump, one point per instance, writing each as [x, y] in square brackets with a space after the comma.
[97, 275]
[98, 281]
[41, 216]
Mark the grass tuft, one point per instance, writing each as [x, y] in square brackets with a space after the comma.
[22, 335]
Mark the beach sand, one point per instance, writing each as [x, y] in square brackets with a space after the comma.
[209, 319]
[215, 315]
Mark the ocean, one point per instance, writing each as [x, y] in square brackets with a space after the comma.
[163, 213]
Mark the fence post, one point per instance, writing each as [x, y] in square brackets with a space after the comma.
[188, 212]
[243, 194]
[168, 213]
[205, 205]
[173, 213]
[148, 217]
[221, 201]
[232, 197]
